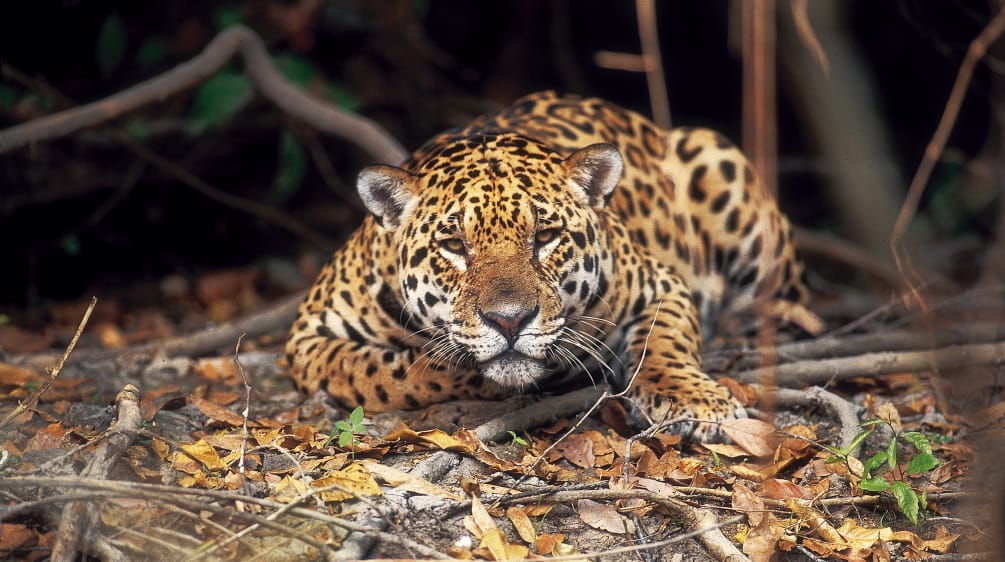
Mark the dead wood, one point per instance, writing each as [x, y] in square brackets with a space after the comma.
[541, 413]
[234, 40]
[278, 316]
[823, 371]
[842, 409]
[831, 347]
[695, 519]
[78, 518]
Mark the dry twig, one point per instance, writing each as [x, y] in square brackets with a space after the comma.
[978, 47]
[33, 399]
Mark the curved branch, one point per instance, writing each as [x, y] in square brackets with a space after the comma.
[365, 133]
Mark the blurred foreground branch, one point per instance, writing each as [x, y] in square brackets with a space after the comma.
[237, 39]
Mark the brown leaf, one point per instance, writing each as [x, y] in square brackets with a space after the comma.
[501, 549]
[354, 480]
[49, 437]
[747, 472]
[202, 452]
[726, 450]
[745, 501]
[755, 436]
[777, 489]
[578, 449]
[522, 524]
[603, 517]
[216, 412]
[761, 541]
[409, 482]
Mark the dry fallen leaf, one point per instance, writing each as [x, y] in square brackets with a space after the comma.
[755, 436]
[353, 480]
[524, 527]
[603, 517]
[578, 449]
[409, 482]
[202, 452]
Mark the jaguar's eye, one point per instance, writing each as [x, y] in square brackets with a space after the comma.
[453, 245]
[545, 235]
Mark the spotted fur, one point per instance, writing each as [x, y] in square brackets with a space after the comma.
[561, 235]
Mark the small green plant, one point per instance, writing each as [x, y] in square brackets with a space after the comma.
[347, 430]
[516, 440]
[892, 479]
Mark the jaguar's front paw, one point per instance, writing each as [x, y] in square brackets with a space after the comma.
[693, 415]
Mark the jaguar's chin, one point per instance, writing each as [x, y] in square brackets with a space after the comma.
[513, 370]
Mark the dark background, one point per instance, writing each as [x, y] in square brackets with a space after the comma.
[68, 230]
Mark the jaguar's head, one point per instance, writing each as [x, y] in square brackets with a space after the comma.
[499, 241]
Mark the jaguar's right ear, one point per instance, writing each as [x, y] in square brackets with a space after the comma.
[387, 192]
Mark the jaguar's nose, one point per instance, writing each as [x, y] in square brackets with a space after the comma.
[509, 323]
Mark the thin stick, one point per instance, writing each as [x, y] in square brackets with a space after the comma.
[759, 119]
[32, 400]
[978, 47]
[653, 62]
[244, 414]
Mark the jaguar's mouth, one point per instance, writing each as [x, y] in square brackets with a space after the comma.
[513, 369]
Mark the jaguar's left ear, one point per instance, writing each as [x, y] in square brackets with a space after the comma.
[597, 170]
[387, 192]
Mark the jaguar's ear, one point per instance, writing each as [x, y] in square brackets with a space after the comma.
[596, 170]
[387, 192]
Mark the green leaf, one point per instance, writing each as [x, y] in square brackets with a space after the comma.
[345, 438]
[872, 463]
[296, 69]
[290, 175]
[8, 97]
[919, 440]
[71, 245]
[876, 484]
[341, 96]
[922, 463]
[217, 100]
[907, 500]
[138, 128]
[111, 48]
[152, 52]
[857, 441]
[356, 416]
[226, 16]
[342, 425]
[891, 453]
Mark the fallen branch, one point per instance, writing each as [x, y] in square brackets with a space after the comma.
[236, 39]
[831, 347]
[695, 519]
[78, 517]
[279, 315]
[816, 396]
[541, 412]
[822, 371]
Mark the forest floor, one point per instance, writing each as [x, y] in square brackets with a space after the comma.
[146, 443]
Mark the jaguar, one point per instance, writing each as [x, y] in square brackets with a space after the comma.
[559, 238]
